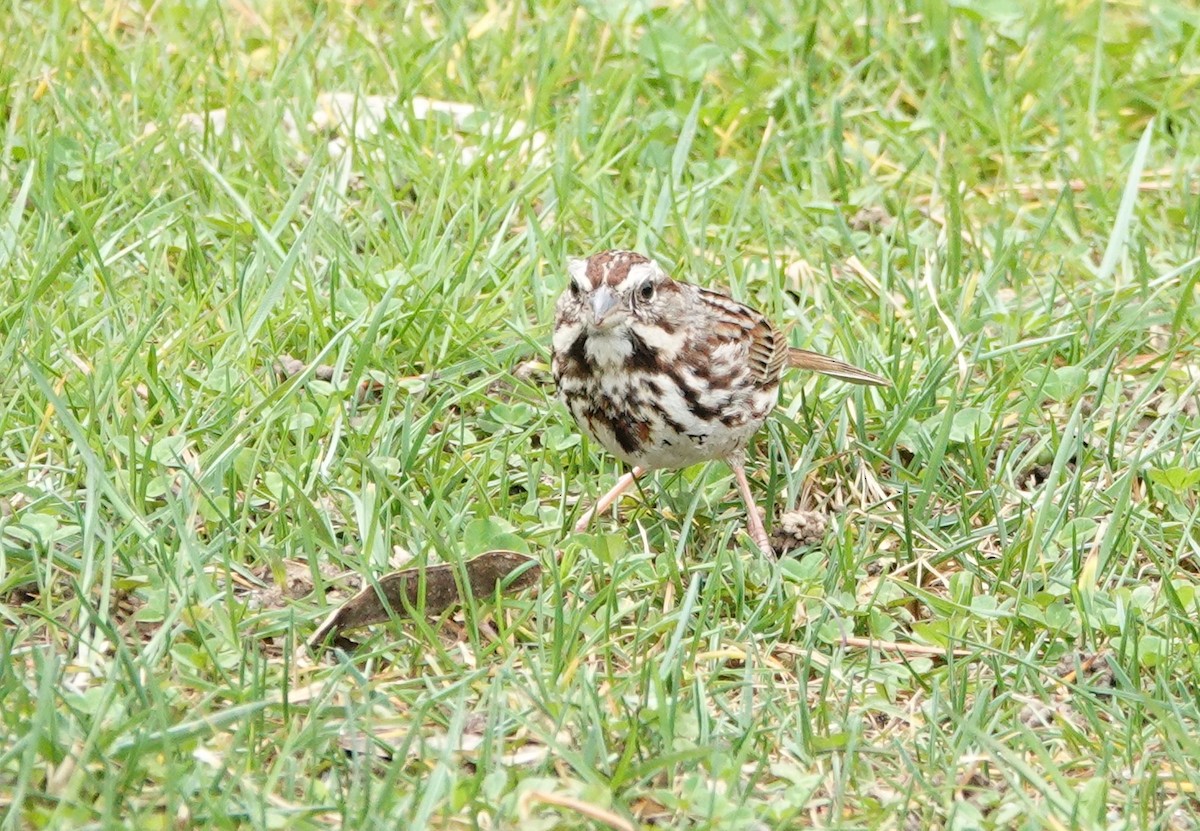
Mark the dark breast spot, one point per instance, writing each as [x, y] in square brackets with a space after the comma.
[573, 363]
[692, 397]
[631, 435]
[655, 404]
[578, 349]
[642, 358]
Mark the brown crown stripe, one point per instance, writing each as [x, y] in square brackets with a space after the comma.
[611, 267]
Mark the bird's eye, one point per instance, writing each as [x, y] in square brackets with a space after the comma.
[646, 292]
[574, 289]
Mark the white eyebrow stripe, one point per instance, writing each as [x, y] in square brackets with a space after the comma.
[638, 274]
[577, 270]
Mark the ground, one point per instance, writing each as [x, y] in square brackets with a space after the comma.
[277, 282]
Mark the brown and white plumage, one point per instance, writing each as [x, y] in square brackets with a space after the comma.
[665, 374]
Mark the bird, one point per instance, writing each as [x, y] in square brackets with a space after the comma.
[665, 374]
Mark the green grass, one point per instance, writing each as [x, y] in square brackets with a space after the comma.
[175, 520]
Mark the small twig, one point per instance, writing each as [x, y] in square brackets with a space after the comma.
[286, 367]
[905, 648]
[1154, 180]
[733, 653]
[1084, 665]
[587, 809]
[965, 777]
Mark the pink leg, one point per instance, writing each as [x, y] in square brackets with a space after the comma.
[605, 502]
[754, 523]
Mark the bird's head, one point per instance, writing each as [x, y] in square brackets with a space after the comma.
[614, 289]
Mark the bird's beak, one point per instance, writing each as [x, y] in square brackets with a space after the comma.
[603, 302]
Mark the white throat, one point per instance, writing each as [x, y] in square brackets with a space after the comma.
[607, 347]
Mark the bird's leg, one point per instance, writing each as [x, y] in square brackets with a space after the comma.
[754, 523]
[606, 501]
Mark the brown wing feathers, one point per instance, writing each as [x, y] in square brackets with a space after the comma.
[769, 353]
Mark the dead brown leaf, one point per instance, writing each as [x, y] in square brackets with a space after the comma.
[437, 586]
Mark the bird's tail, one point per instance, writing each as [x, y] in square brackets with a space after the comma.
[804, 359]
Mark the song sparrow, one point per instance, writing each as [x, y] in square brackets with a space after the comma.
[664, 374]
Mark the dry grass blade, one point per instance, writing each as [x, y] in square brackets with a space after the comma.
[923, 650]
[587, 809]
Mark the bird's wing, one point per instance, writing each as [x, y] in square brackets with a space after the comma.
[763, 347]
[766, 350]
